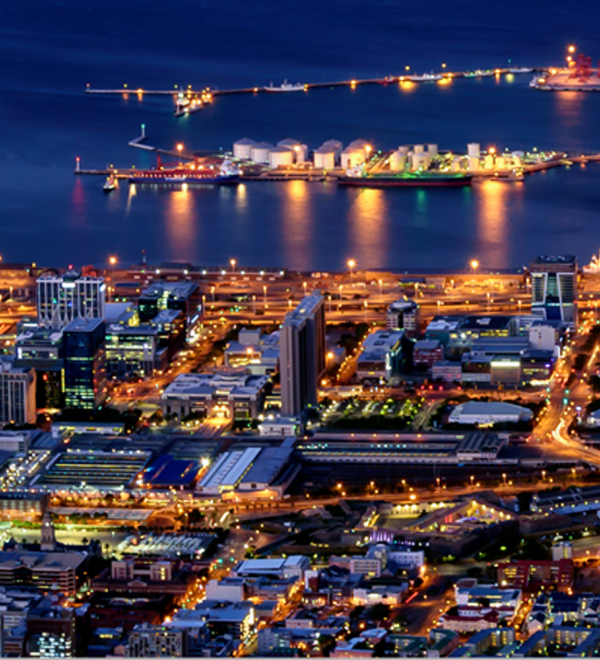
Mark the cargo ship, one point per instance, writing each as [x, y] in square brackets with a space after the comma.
[226, 173]
[407, 179]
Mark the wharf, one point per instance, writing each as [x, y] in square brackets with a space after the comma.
[387, 80]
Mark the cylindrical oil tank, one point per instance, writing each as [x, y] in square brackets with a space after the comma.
[474, 164]
[260, 152]
[488, 162]
[289, 143]
[242, 148]
[456, 163]
[352, 157]
[397, 161]
[419, 148]
[333, 145]
[432, 150]
[324, 158]
[301, 153]
[280, 156]
[404, 149]
[473, 149]
[420, 161]
[502, 163]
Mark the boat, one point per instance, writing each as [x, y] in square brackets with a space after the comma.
[110, 184]
[357, 177]
[520, 69]
[479, 73]
[226, 173]
[285, 87]
[426, 77]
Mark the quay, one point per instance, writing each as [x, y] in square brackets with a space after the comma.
[386, 80]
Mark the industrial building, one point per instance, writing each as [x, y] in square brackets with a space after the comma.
[302, 354]
[379, 355]
[292, 566]
[554, 288]
[62, 299]
[228, 393]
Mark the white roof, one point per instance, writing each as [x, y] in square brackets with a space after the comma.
[492, 408]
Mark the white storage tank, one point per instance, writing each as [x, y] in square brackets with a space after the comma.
[404, 149]
[352, 157]
[324, 158]
[420, 161]
[301, 153]
[259, 153]
[358, 144]
[419, 148]
[334, 145]
[432, 150]
[473, 149]
[279, 156]
[242, 148]
[488, 162]
[457, 164]
[502, 163]
[474, 164]
[397, 161]
[290, 143]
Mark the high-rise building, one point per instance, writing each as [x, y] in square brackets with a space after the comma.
[554, 288]
[403, 315]
[17, 393]
[302, 354]
[84, 356]
[64, 298]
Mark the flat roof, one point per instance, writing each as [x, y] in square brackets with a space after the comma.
[305, 309]
[58, 561]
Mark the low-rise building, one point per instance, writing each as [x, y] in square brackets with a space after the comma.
[379, 355]
[43, 570]
[17, 393]
[292, 566]
[531, 575]
[257, 353]
[231, 394]
[489, 413]
[427, 352]
[403, 315]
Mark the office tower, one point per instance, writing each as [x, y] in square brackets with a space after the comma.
[302, 354]
[554, 288]
[181, 296]
[62, 299]
[17, 393]
[84, 356]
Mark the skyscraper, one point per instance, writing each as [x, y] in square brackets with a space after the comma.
[554, 287]
[302, 354]
[62, 299]
[84, 356]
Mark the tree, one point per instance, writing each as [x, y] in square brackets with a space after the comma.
[524, 501]
[379, 612]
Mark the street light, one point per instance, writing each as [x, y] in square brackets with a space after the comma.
[265, 293]
[474, 265]
[381, 287]
[112, 261]
[304, 285]
[233, 262]
[351, 264]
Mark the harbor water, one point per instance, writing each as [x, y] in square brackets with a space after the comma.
[52, 217]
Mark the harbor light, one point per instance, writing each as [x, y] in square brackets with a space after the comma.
[233, 263]
[180, 148]
[443, 65]
[112, 261]
[571, 49]
[474, 265]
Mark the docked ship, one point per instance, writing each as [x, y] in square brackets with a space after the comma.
[520, 69]
[479, 73]
[226, 173]
[110, 184]
[285, 87]
[419, 179]
[425, 77]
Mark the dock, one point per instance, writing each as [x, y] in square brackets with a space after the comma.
[352, 83]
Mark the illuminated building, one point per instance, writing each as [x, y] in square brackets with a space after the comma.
[554, 288]
[42, 350]
[43, 570]
[379, 355]
[180, 296]
[84, 353]
[17, 393]
[302, 354]
[403, 315]
[228, 393]
[147, 641]
[62, 299]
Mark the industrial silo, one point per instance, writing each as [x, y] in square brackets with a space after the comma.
[242, 148]
[432, 150]
[473, 149]
[397, 161]
[259, 153]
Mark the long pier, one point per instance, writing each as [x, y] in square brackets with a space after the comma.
[387, 80]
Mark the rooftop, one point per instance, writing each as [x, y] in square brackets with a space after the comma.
[83, 325]
[305, 309]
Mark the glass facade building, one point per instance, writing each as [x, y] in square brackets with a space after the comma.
[84, 360]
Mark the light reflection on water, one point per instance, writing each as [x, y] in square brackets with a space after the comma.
[297, 225]
[181, 223]
[492, 219]
[368, 227]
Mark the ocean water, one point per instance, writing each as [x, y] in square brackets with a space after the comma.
[49, 51]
